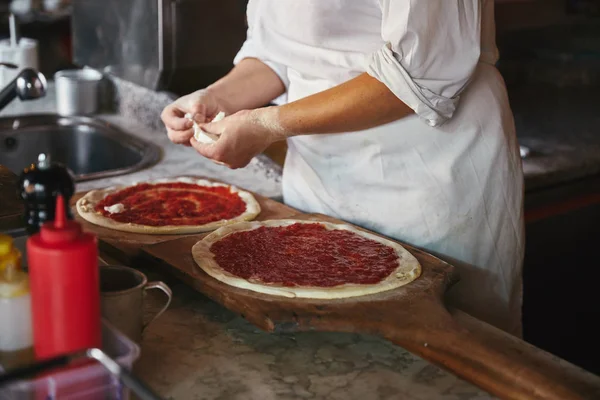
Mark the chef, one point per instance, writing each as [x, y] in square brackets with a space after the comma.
[396, 119]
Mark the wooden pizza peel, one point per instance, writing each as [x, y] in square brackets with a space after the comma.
[413, 316]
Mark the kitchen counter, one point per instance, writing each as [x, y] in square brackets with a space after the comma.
[199, 350]
[561, 128]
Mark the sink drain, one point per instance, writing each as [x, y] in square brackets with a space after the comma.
[9, 143]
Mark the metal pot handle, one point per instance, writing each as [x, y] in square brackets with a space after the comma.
[166, 290]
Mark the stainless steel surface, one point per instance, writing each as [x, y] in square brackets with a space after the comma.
[44, 161]
[159, 44]
[77, 91]
[15, 233]
[90, 148]
[167, 291]
[29, 84]
[8, 65]
[128, 378]
[122, 299]
[142, 391]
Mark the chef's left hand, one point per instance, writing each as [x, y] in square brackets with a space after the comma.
[242, 136]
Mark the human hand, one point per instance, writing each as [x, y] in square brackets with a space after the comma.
[203, 105]
[241, 136]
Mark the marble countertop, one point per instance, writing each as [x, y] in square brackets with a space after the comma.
[200, 350]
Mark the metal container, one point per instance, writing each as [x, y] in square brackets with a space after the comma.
[177, 46]
[122, 299]
[77, 91]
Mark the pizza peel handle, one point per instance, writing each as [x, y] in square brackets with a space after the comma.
[497, 362]
[415, 318]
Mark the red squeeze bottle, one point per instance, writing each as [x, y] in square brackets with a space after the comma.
[65, 289]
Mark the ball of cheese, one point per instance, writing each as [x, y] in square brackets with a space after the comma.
[203, 136]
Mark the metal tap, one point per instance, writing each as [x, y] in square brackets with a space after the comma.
[28, 85]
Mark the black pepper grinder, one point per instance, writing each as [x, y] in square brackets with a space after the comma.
[39, 185]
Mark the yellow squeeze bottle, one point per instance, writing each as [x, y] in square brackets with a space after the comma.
[16, 336]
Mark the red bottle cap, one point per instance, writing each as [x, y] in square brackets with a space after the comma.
[61, 229]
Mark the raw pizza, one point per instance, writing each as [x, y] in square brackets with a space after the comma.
[168, 206]
[305, 259]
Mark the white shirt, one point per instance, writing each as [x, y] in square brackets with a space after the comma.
[447, 179]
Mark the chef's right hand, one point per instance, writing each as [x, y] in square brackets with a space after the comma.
[202, 104]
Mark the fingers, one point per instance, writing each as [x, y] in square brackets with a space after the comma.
[174, 119]
[214, 127]
[179, 128]
[180, 137]
[211, 151]
[198, 111]
[216, 153]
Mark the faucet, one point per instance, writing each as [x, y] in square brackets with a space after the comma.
[28, 85]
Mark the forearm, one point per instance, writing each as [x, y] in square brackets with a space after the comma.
[250, 84]
[360, 103]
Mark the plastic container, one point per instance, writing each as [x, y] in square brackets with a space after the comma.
[16, 335]
[15, 299]
[90, 381]
[24, 55]
[15, 310]
[65, 287]
[9, 253]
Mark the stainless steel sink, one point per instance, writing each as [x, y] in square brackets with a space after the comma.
[90, 148]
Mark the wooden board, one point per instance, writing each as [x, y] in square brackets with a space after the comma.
[125, 245]
[11, 206]
[412, 316]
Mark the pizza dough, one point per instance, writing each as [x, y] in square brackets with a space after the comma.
[203, 136]
[406, 269]
[86, 208]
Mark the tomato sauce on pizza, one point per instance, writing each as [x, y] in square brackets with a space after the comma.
[173, 203]
[304, 254]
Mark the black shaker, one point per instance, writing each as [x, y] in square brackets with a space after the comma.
[39, 185]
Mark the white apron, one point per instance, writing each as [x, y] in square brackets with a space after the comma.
[447, 179]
